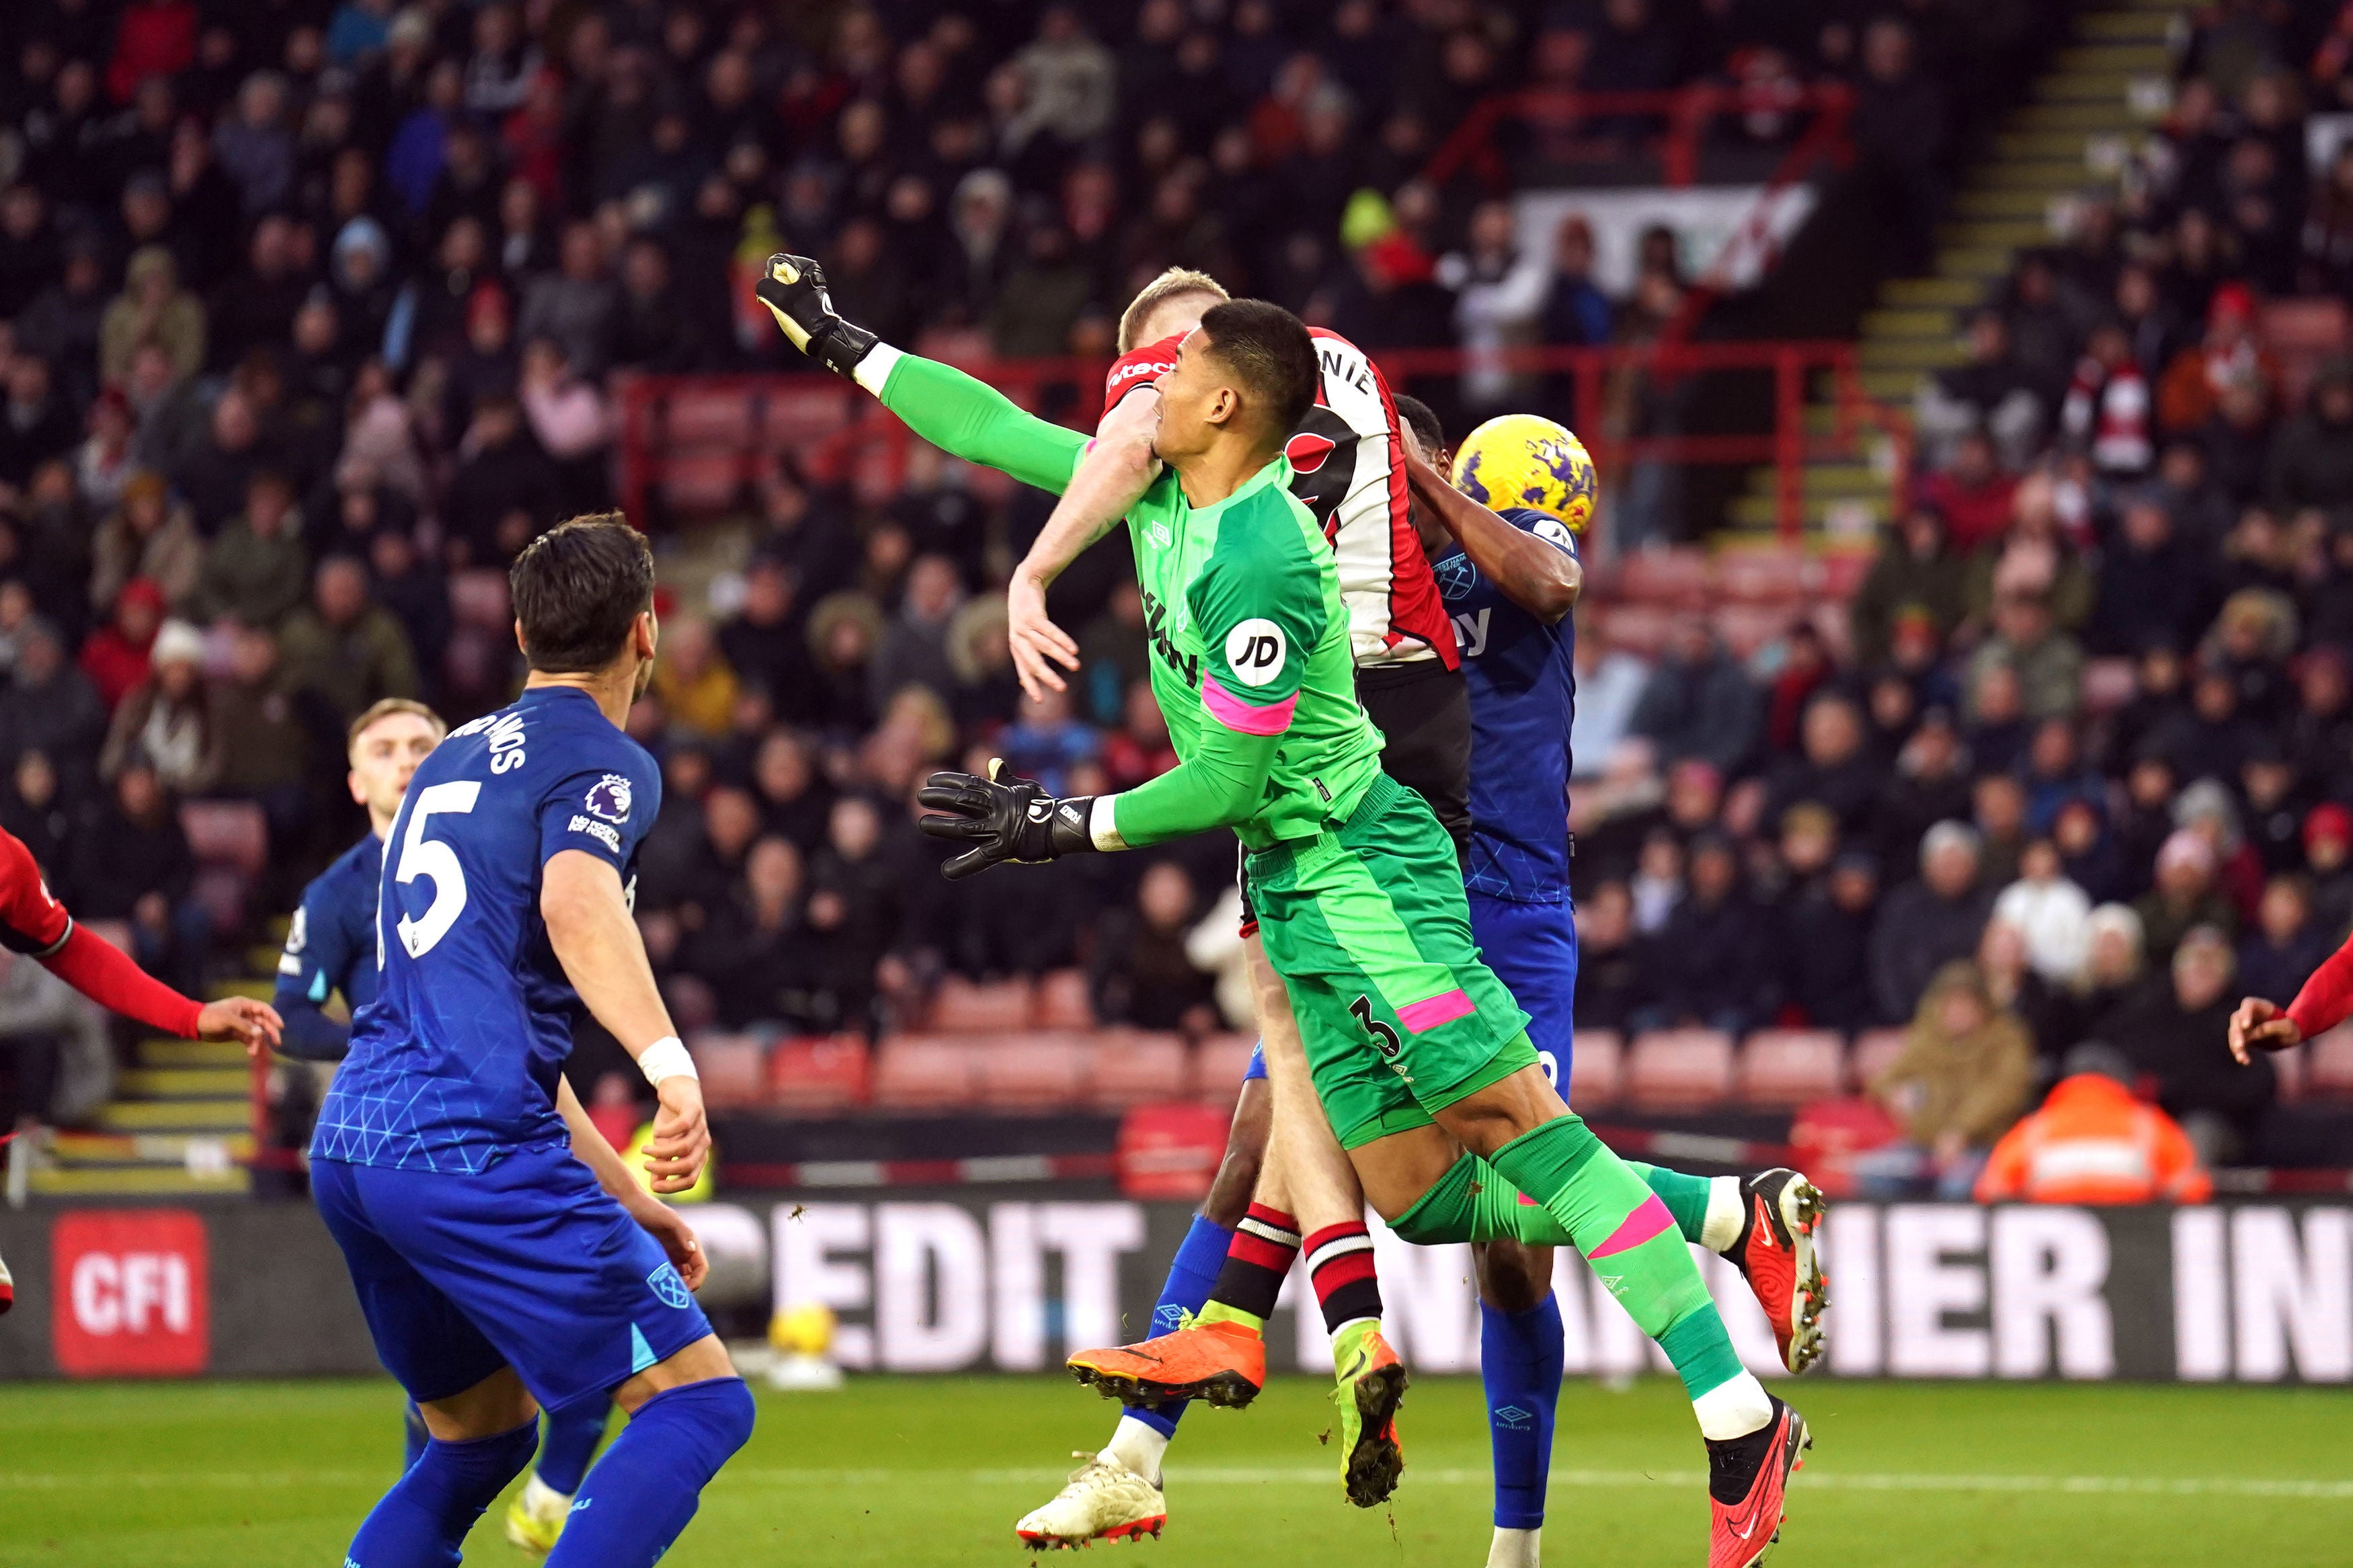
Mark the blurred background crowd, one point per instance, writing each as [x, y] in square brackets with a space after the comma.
[313, 313]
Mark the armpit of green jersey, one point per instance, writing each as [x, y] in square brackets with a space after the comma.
[1258, 601]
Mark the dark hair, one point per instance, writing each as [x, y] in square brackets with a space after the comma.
[1269, 348]
[577, 589]
[1416, 414]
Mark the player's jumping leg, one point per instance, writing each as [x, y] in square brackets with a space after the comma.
[1520, 1358]
[536, 1516]
[1116, 1494]
[1766, 1224]
[413, 1434]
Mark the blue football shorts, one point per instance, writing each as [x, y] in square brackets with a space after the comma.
[528, 1263]
[1531, 947]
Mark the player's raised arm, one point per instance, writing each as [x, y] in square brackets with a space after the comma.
[944, 405]
[1542, 578]
[1112, 474]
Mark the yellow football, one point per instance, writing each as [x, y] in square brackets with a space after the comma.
[1527, 460]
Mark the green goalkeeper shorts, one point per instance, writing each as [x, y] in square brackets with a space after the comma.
[1368, 929]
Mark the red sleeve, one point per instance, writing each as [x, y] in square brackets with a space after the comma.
[104, 973]
[30, 919]
[2327, 996]
[1138, 366]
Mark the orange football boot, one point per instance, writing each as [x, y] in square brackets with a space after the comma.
[1221, 1362]
[1775, 1253]
[1743, 1532]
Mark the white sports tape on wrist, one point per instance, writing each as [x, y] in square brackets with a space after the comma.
[1102, 826]
[875, 368]
[666, 1058]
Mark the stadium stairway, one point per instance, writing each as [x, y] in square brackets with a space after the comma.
[2107, 86]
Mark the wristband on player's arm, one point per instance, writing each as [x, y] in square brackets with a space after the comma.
[666, 1058]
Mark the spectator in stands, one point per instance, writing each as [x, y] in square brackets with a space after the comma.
[2107, 416]
[152, 308]
[166, 721]
[1835, 768]
[1822, 942]
[2184, 897]
[1991, 398]
[1930, 784]
[569, 419]
[914, 649]
[343, 650]
[697, 687]
[1928, 922]
[1698, 703]
[264, 746]
[2285, 944]
[1142, 973]
[755, 955]
[2092, 1143]
[857, 905]
[2049, 912]
[1574, 312]
[51, 707]
[32, 808]
[2048, 662]
[1609, 962]
[133, 863]
[575, 307]
[765, 642]
[115, 657]
[35, 424]
[502, 494]
[1915, 570]
[1998, 811]
[1963, 1076]
[254, 571]
[1900, 123]
[2312, 458]
[1711, 964]
[2174, 1033]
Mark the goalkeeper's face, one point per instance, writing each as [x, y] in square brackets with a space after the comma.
[1197, 400]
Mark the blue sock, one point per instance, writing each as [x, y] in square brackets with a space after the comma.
[1519, 1361]
[650, 1480]
[422, 1521]
[1191, 1280]
[573, 1434]
[412, 1437]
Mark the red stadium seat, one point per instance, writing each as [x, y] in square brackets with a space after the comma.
[1597, 1068]
[1791, 1067]
[1064, 1001]
[1170, 1151]
[1671, 577]
[1874, 1050]
[819, 1075]
[221, 890]
[231, 832]
[927, 1072]
[694, 415]
[1035, 1072]
[1680, 1069]
[2329, 1066]
[2302, 335]
[1218, 1065]
[964, 1007]
[1767, 576]
[1133, 1068]
[477, 598]
[731, 1068]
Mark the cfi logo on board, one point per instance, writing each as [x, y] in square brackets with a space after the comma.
[132, 1293]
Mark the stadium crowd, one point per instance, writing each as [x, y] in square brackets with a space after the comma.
[309, 308]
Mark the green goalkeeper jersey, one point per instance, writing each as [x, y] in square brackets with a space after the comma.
[1241, 606]
[1249, 648]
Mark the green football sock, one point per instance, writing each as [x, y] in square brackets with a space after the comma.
[1629, 1240]
[1686, 1196]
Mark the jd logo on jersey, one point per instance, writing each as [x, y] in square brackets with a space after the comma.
[1254, 651]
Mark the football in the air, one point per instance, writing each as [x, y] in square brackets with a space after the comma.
[1526, 459]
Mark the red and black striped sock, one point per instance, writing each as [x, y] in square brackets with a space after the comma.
[1264, 1245]
[1340, 1264]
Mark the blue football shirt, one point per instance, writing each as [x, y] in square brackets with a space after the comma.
[456, 1061]
[331, 947]
[1523, 693]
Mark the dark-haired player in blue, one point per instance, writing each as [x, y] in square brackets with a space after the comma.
[498, 1272]
[331, 949]
[1510, 580]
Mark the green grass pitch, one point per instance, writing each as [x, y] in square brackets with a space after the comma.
[933, 1471]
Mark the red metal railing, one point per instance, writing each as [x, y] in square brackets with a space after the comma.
[701, 439]
[1683, 115]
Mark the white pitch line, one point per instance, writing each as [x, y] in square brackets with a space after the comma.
[1285, 1475]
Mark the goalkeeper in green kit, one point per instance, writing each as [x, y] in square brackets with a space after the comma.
[1418, 1054]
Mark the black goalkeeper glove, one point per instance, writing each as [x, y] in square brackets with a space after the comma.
[1002, 817]
[793, 290]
